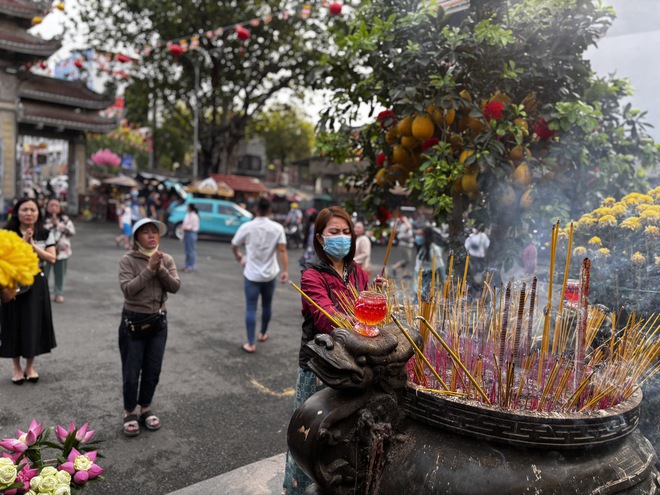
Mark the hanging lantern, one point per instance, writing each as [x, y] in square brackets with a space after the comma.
[335, 8]
[36, 20]
[242, 33]
[175, 50]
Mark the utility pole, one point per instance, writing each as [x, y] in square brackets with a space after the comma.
[195, 163]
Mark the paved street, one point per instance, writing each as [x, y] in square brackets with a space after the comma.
[221, 408]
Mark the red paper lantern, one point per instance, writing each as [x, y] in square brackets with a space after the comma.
[335, 8]
[242, 33]
[175, 49]
[123, 58]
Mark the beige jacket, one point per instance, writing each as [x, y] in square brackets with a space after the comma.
[144, 288]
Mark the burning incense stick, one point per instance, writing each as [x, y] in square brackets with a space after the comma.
[389, 248]
[419, 353]
[454, 357]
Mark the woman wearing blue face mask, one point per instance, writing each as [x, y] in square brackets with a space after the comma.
[335, 273]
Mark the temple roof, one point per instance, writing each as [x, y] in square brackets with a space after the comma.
[70, 93]
[13, 39]
[61, 118]
[25, 9]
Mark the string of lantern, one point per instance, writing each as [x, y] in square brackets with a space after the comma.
[182, 44]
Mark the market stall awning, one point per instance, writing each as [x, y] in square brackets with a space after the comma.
[121, 180]
[211, 187]
[240, 183]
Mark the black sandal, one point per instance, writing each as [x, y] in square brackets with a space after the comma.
[131, 425]
[147, 419]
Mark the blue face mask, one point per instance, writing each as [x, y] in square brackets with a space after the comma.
[337, 246]
[419, 240]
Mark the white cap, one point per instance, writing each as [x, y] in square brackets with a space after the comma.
[161, 226]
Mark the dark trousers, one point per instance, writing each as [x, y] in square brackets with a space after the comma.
[141, 362]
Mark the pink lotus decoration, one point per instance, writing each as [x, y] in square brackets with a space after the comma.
[107, 158]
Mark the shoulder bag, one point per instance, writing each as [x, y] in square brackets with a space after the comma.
[146, 326]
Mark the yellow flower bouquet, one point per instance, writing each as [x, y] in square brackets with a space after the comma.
[18, 261]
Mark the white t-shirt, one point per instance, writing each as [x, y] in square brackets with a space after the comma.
[260, 237]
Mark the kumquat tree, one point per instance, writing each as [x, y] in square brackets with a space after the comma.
[495, 116]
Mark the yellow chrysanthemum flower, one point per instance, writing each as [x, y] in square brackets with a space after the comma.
[619, 210]
[607, 221]
[636, 199]
[655, 194]
[595, 241]
[638, 258]
[586, 221]
[601, 212]
[632, 223]
[580, 251]
[18, 261]
[652, 231]
[650, 216]
[603, 253]
[608, 202]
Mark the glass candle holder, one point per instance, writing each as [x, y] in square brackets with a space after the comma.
[370, 309]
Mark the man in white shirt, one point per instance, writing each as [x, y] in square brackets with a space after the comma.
[477, 245]
[264, 240]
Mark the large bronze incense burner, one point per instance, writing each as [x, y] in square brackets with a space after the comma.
[373, 432]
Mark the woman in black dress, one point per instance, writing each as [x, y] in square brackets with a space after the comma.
[26, 323]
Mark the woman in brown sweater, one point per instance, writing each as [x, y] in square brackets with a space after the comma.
[146, 275]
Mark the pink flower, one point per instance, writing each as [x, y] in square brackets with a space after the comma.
[24, 439]
[82, 435]
[24, 476]
[81, 466]
[493, 110]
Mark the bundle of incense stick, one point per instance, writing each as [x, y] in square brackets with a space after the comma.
[550, 363]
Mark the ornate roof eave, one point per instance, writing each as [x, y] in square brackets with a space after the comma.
[70, 93]
[23, 9]
[35, 47]
[63, 119]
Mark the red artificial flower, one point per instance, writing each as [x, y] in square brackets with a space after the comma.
[387, 119]
[542, 130]
[493, 110]
[242, 33]
[383, 214]
[78, 64]
[335, 8]
[380, 159]
[175, 49]
[430, 143]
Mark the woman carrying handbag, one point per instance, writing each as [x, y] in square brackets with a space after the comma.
[146, 275]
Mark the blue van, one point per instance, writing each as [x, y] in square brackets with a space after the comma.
[216, 216]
